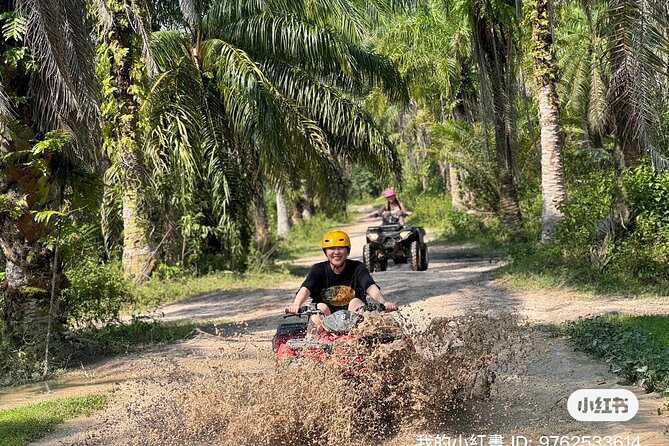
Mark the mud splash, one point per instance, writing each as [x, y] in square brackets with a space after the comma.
[416, 381]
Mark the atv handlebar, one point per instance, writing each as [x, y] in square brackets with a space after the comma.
[306, 310]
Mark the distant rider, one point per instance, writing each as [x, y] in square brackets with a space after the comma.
[393, 208]
[338, 283]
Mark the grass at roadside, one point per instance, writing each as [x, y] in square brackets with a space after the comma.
[537, 267]
[132, 336]
[21, 425]
[161, 292]
[636, 347]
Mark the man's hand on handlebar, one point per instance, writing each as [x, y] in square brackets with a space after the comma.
[390, 306]
[294, 309]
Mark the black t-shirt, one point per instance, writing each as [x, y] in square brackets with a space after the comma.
[338, 290]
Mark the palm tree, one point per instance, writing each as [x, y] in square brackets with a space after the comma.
[121, 70]
[582, 55]
[545, 75]
[493, 25]
[250, 95]
[62, 94]
[433, 51]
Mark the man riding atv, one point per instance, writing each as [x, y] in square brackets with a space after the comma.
[338, 283]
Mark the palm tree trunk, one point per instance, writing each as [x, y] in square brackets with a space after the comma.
[29, 263]
[122, 136]
[282, 215]
[307, 205]
[29, 268]
[494, 53]
[553, 193]
[261, 222]
[456, 200]
[138, 259]
[504, 138]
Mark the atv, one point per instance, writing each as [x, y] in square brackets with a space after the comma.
[391, 240]
[340, 340]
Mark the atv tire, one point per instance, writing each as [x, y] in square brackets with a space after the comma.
[415, 253]
[382, 265]
[367, 257]
[423, 257]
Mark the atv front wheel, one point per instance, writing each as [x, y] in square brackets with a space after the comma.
[367, 257]
[423, 257]
[415, 253]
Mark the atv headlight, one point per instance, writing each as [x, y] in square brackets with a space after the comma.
[373, 236]
[405, 235]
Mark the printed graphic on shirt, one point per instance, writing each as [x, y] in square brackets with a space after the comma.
[338, 296]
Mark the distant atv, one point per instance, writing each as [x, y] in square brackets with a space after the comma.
[402, 244]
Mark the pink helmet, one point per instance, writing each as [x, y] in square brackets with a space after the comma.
[390, 192]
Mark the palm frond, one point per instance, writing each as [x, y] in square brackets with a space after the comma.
[223, 12]
[65, 90]
[236, 72]
[104, 15]
[345, 121]
[634, 83]
[288, 38]
[139, 15]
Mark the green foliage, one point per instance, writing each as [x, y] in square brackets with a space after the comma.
[120, 338]
[461, 226]
[636, 347]
[363, 184]
[304, 239]
[19, 364]
[655, 326]
[159, 292]
[14, 26]
[587, 204]
[22, 425]
[97, 294]
[15, 55]
[428, 210]
[581, 255]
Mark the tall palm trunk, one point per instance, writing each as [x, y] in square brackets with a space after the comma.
[457, 203]
[29, 263]
[121, 120]
[261, 222]
[494, 52]
[553, 193]
[138, 259]
[282, 215]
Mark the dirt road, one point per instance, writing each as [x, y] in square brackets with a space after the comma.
[528, 399]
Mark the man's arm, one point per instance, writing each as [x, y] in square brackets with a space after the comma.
[300, 298]
[375, 293]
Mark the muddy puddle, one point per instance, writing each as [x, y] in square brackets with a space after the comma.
[59, 388]
[415, 381]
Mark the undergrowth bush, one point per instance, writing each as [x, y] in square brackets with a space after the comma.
[638, 356]
[19, 364]
[634, 261]
[97, 294]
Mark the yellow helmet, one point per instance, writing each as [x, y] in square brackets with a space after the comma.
[333, 239]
